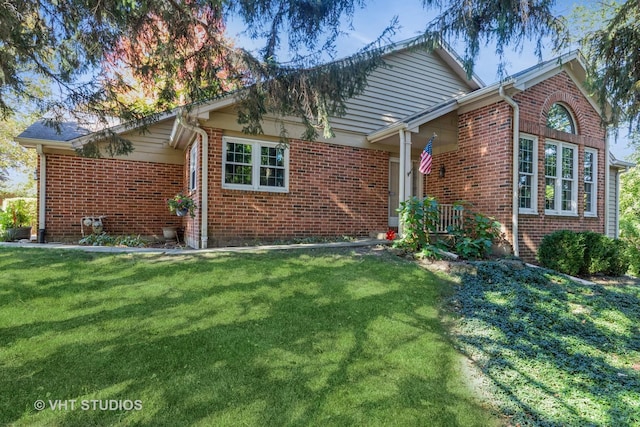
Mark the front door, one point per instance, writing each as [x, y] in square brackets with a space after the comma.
[394, 187]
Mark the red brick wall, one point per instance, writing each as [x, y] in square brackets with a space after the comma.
[131, 194]
[480, 171]
[333, 190]
[534, 104]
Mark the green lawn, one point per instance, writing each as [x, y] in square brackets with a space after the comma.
[557, 353]
[279, 338]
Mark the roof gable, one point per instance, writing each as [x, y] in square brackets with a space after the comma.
[414, 79]
[571, 63]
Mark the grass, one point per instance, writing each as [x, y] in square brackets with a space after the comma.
[557, 353]
[276, 338]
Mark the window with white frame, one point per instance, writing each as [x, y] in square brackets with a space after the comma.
[255, 165]
[528, 174]
[193, 164]
[561, 170]
[590, 181]
[559, 118]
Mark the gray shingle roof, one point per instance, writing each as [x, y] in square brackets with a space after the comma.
[67, 131]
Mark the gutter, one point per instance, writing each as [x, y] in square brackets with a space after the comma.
[42, 194]
[204, 169]
[607, 178]
[515, 195]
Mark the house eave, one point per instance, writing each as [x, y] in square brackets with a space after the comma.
[622, 165]
[35, 142]
[386, 132]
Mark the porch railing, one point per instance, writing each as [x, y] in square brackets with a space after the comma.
[450, 216]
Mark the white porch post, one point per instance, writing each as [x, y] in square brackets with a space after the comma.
[408, 167]
[404, 181]
[401, 183]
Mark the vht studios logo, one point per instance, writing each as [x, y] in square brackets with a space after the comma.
[88, 405]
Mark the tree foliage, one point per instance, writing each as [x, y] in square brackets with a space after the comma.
[504, 23]
[13, 156]
[178, 49]
[630, 201]
[613, 53]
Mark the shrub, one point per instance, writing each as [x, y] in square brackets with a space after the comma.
[476, 236]
[602, 254]
[633, 256]
[584, 253]
[18, 213]
[419, 218]
[103, 239]
[630, 234]
[562, 251]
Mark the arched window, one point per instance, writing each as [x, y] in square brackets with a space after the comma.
[559, 118]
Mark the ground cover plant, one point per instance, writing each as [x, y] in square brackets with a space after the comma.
[311, 337]
[556, 353]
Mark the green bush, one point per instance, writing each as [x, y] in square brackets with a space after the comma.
[633, 256]
[562, 251]
[18, 213]
[630, 234]
[584, 253]
[103, 239]
[603, 254]
[476, 236]
[419, 218]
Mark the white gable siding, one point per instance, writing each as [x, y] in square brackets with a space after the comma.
[414, 81]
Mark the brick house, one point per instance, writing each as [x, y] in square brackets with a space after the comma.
[529, 151]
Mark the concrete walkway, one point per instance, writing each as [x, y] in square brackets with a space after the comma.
[115, 249]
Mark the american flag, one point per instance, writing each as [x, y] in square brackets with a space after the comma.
[426, 157]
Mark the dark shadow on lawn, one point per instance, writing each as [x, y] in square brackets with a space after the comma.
[535, 319]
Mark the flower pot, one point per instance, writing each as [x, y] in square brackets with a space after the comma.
[19, 233]
[169, 233]
[182, 212]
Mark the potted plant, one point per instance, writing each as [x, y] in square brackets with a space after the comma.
[16, 220]
[181, 205]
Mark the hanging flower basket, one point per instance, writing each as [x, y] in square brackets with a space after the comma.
[182, 205]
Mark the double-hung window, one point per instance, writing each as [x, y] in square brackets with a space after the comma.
[590, 181]
[528, 174]
[561, 178]
[255, 165]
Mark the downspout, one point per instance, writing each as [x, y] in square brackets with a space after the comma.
[607, 202]
[204, 172]
[515, 192]
[42, 194]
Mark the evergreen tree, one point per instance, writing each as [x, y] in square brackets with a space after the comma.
[611, 43]
[71, 42]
